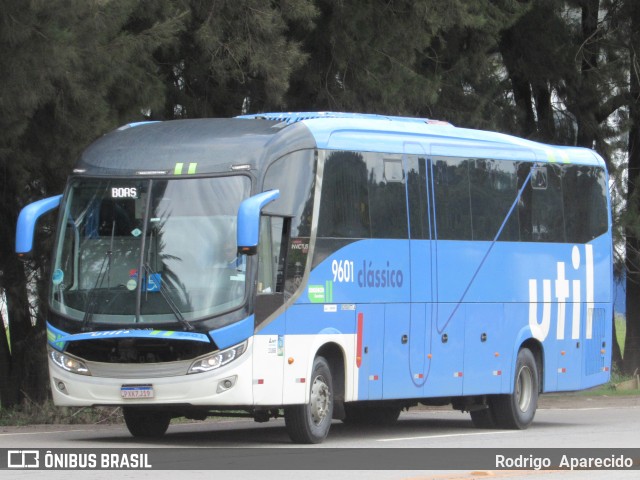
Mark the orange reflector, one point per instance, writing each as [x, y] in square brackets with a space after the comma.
[290, 360]
[429, 356]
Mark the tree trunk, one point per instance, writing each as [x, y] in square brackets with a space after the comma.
[521, 87]
[544, 110]
[589, 97]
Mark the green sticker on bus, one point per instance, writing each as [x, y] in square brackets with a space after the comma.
[321, 293]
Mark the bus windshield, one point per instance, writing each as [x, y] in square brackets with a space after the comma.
[149, 251]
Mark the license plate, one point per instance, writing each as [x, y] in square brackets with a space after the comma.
[136, 391]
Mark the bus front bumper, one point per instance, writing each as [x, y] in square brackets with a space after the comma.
[230, 385]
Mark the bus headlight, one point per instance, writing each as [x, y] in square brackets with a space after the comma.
[68, 363]
[218, 359]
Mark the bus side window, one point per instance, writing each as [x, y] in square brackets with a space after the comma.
[272, 252]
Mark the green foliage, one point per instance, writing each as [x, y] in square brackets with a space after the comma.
[69, 71]
[45, 413]
[233, 56]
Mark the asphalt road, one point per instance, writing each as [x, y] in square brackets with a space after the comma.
[580, 423]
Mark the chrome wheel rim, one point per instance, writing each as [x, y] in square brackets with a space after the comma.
[320, 400]
[524, 388]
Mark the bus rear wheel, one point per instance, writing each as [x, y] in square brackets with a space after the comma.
[516, 411]
[310, 423]
[146, 423]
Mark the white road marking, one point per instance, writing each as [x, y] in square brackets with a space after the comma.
[447, 436]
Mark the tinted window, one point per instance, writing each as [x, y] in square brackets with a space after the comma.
[585, 200]
[363, 196]
[525, 202]
[493, 191]
[344, 209]
[387, 196]
[547, 206]
[453, 202]
[287, 241]
[418, 201]
[294, 175]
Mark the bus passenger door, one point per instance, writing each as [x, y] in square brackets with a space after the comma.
[422, 273]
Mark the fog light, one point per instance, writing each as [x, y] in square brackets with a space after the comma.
[62, 388]
[226, 383]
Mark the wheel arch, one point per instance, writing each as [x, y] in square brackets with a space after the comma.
[537, 349]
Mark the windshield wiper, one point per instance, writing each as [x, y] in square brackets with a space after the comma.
[91, 294]
[163, 291]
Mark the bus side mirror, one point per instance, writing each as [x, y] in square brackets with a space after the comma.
[27, 222]
[249, 221]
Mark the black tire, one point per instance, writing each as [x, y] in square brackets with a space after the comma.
[516, 411]
[371, 415]
[310, 423]
[146, 423]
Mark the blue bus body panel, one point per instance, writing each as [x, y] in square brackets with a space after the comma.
[234, 333]
[223, 337]
[58, 339]
[485, 305]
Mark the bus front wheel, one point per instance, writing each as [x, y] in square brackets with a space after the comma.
[516, 411]
[310, 423]
[146, 423]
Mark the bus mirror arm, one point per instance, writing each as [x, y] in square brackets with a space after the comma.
[27, 222]
[249, 220]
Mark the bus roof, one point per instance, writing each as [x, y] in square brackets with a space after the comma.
[372, 132]
[194, 146]
[199, 146]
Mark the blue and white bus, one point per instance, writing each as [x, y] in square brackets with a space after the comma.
[326, 266]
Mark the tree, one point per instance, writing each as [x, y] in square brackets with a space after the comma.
[232, 57]
[363, 57]
[464, 57]
[69, 70]
[632, 341]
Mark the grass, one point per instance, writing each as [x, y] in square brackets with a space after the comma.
[30, 413]
[609, 388]
[621, 330]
